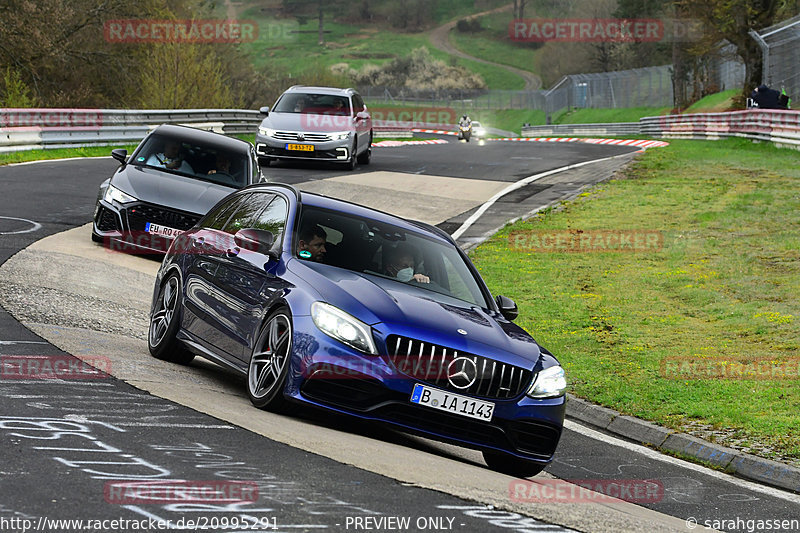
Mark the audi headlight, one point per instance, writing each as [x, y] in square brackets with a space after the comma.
[548, 383]
[344, 328]
[266, 132]
[116, 195]
[340, 135]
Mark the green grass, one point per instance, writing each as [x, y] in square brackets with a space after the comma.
[351, 44]
[590, 116]
[508, 119]
[714, 103]
[725, 284]
[493, 44]
[446, 10]
[60, 153]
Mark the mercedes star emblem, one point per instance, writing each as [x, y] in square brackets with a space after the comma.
[462, 373]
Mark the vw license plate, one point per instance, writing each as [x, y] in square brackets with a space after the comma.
[155, 229]
[452, 403]
[301, 147]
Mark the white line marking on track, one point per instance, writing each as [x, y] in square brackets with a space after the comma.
[6, 343]
[653, 454]
[54, 160]
[54, 381]
[34, 226]
[517, 185]
[167, 425]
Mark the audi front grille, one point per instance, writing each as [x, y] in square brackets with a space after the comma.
[140, 215]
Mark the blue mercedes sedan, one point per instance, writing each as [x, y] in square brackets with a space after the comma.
[345, 308]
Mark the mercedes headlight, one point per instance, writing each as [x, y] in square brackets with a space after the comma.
[340, 135]
[548, 383]
[266, 132]
[115, 195]
[343, 327]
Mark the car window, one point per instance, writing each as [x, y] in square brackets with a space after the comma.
[273, 218]
[219, 215]
[311, 103]
[247, 212]
[358, 103]
[205, 162]
[379, 249]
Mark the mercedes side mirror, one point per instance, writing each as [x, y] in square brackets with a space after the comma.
[255, 240]
[507, 307]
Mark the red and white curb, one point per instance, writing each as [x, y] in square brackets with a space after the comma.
[392, 144]
[639, 143]
[437, 132]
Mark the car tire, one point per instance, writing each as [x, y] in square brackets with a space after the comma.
[162, 338]
[270, 361]
[351, 163]
[366, 156]
[513, 466]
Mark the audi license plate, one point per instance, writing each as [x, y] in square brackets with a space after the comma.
[301, 147]
[452, 403]
[155, 229]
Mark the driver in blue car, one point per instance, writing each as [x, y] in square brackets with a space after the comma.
[311, 243]
[400, 264]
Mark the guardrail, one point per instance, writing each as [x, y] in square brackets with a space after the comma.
[29, 129]
[32, 129]
[572, 130]
[777, 126]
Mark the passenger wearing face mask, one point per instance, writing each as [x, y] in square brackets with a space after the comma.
[400, 265]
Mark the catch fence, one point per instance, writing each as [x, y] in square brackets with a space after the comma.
[780, 46]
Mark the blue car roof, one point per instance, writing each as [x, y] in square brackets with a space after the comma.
[343, 206]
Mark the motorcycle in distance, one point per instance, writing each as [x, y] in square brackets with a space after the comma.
[464, 132]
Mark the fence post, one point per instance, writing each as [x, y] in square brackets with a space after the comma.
[765, 78]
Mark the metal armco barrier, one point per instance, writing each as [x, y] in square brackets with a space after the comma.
[30, 129]
[38, 129]
[612, 128]
[777, 126]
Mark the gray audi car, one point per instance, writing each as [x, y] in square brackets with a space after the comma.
[173, 178]
[316, 123]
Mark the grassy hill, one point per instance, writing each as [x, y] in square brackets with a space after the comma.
[292, 45]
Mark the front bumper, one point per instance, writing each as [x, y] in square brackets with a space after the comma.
[323, 151]
[122, 228]
[330, 375]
